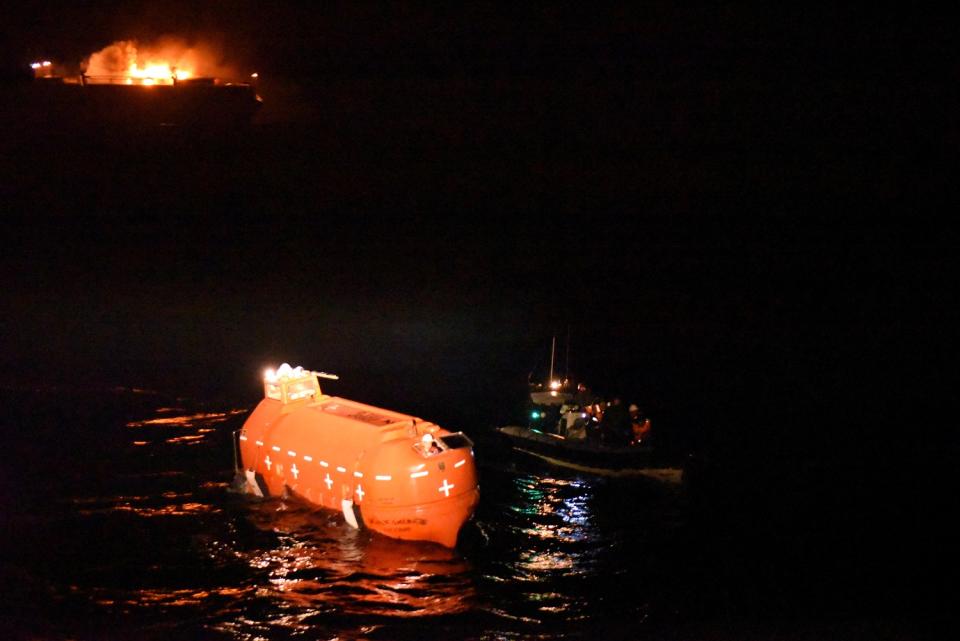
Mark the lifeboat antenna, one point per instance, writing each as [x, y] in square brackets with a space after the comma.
[332, 377]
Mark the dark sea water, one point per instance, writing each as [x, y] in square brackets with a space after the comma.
[118, 524]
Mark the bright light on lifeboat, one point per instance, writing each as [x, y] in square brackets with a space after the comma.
[254, 75]
[46, 63]
[284, 371]
[554, 384]
[35, 65]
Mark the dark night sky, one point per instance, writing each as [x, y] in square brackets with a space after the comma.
[734, 211]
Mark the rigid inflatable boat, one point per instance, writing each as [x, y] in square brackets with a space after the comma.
[590, 458]
[395, 474]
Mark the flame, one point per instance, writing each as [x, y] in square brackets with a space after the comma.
[156, 73]
[129, 62]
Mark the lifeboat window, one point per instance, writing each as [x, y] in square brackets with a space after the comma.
[456, 441]
[273, 391]
[300, 389]
[295, 390]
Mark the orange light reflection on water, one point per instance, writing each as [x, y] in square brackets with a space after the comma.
[168, 429]
[152, 598]
[185, 439]
[167, 504]
[322, 564]
[187, 420]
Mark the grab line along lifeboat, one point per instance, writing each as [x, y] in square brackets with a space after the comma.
[395, 474]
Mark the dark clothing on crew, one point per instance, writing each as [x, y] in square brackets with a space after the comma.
[594, 436]
[616, 426]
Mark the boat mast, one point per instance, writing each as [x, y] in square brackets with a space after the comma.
[553, 348]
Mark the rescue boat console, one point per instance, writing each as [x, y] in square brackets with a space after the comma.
[395, 474]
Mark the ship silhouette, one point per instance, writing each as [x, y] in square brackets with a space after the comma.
[86, 103]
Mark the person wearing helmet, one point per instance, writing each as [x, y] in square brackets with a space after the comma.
[429, 444]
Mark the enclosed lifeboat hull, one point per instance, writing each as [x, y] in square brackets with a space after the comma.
[392, 473]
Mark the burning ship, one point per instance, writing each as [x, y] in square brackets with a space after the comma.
[124, 84]
[395, 474]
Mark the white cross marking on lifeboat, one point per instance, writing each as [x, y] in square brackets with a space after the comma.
[295, 471]
[328, 481]
[446, 487]
[268, 461]
[360, 491]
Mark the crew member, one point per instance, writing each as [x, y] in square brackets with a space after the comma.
[640, 425]
[616, 425]
[430, 446]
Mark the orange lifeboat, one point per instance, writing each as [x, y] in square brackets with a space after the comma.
[395, 474]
